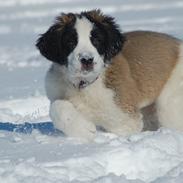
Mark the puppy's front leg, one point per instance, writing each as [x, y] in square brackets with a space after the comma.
[122, 123]
[67, 119]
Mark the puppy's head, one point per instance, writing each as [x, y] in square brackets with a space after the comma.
[82, 43]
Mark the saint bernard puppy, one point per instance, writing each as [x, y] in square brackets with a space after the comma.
[103, 77]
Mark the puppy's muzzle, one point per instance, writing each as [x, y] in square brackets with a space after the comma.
[87, 62]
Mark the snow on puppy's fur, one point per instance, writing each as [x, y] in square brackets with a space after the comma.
[100, 76]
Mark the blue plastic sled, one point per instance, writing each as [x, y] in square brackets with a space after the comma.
[46, 128]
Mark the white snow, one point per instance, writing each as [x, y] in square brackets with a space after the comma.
[25, 110]
[151, 157]
[148, 157]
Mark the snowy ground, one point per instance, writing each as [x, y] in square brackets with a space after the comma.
[37, 157]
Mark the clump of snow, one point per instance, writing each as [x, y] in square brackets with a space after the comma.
[25, 110]
[149, 157]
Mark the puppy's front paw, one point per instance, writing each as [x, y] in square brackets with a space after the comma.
[67, 119]
[125, 131]
[82, 129]
[130, 127]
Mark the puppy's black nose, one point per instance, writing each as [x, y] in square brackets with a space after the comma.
[87, 63]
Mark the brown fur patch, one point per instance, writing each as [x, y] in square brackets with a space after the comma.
[118, 77]
[140, 71]
[65, 19]
[96, 15]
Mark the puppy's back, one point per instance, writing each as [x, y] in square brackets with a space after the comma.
[151, 57]
[143, 66]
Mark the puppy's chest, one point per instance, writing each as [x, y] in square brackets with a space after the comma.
[95, 101]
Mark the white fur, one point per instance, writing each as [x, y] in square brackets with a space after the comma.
[70, 121]
[84, 47]
[97, 104]
[170, 102]
[76, 112]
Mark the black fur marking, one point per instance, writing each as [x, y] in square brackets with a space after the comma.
[106, 36]
[68, 40]
[98, 39]
[58, 41]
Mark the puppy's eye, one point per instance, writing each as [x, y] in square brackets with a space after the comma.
[71, 44]
[96, 41]
[96, 37]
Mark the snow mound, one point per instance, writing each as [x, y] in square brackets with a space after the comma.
[149, 157]
[21, 110]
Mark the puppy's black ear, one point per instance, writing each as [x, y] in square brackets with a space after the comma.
[114, 38]
[49, 44]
